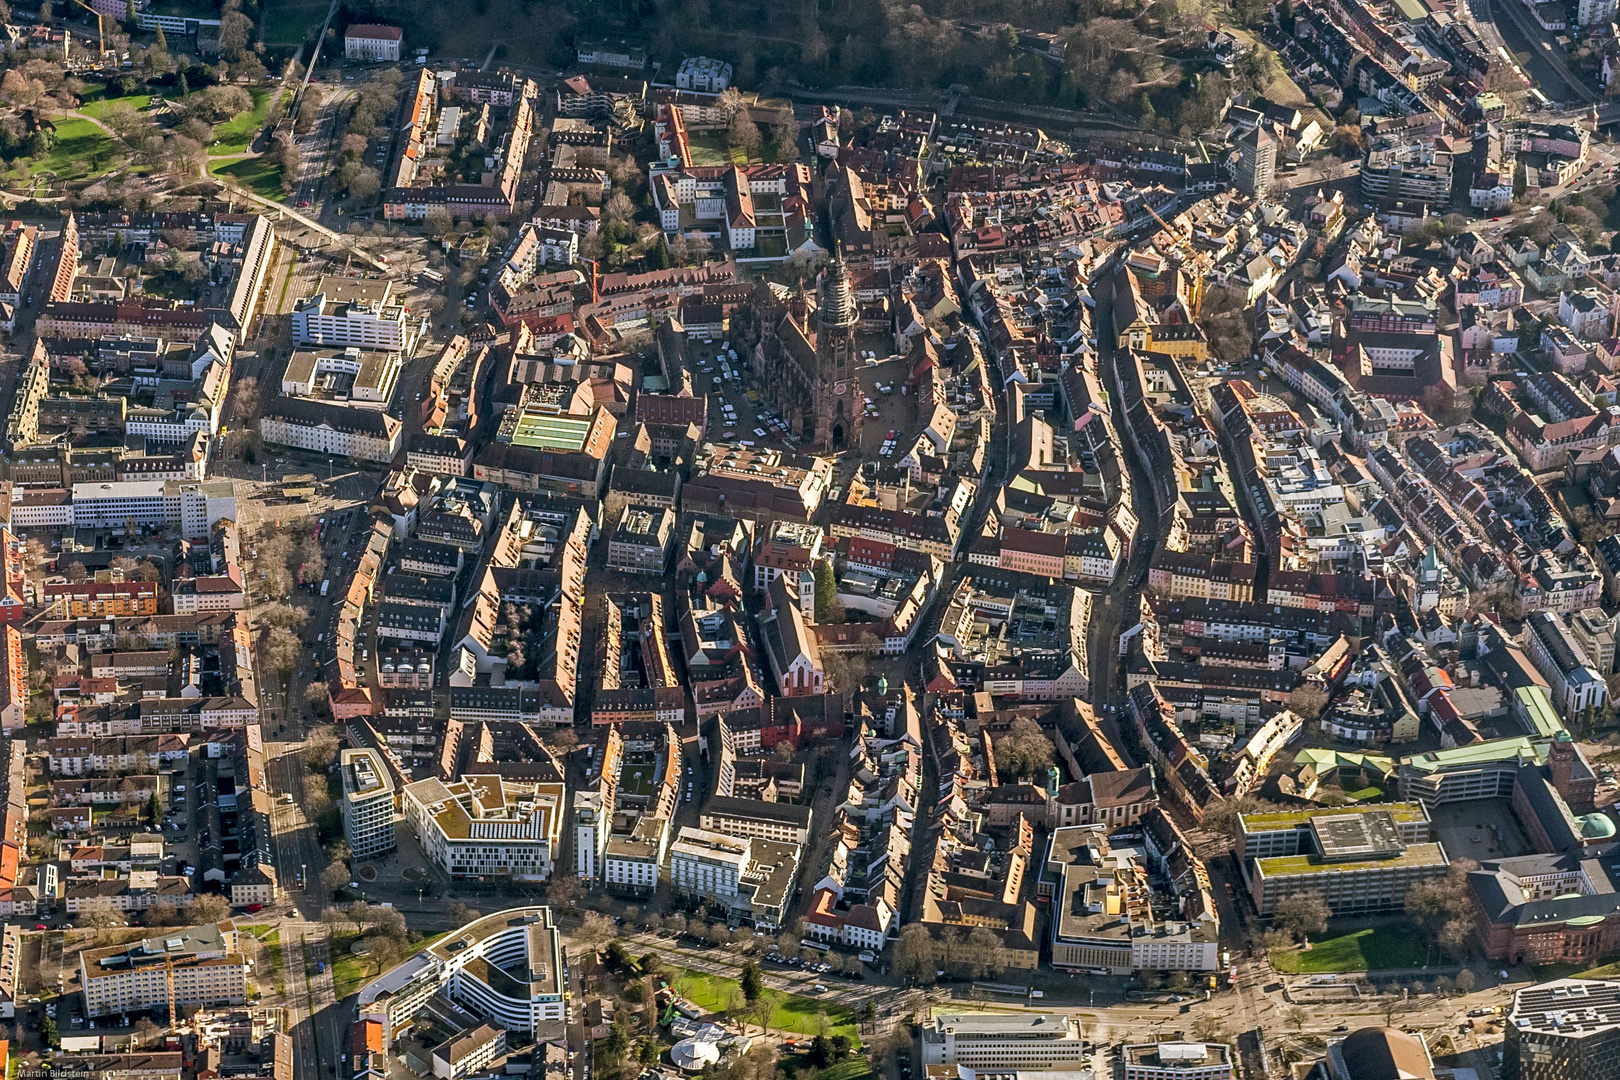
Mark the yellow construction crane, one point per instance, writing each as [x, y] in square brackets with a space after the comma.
[101, 30]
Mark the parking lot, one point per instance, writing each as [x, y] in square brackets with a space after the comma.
[891, 413]
[739, 413]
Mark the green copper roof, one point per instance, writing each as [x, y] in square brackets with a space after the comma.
[1523, 747]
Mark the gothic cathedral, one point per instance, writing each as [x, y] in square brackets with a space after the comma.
[808, 358]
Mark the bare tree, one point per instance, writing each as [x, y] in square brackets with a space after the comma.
[320, 750]
[335, 876]
[595, 931]
[208, 908]
[245, 399]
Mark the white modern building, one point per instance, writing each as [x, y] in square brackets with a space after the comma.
[483, 828]
[753, 877]
[707, 864]
[592, 828]
[704, 74]
[1003, 1042]
[195, 966]
[1178, 1061]
[354, 311]
[368, 804]
[506, 967]
[41, 508]
[366, 378]
[1574, 685]
[193, 506]
[630, 863]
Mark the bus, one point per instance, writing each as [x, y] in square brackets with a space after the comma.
[327, 584]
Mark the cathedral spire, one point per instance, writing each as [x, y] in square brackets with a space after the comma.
[837, 301]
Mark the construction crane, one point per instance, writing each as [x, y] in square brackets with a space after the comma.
[101, 30]
[1195, 289]
[1165, 224]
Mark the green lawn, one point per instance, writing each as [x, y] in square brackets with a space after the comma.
[255, 174]
[1366, 793]
[1365, 949]
[97, 106]
[235, 135]
[351, 972]
[1606, 967]
[855, 1067]
[81, 150]
[709, 149]
[291, 23]
[790, 1012]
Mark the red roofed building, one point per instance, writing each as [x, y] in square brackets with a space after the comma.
[862, 553]
[11, 599]
[223, 592]
[367, 41]
[862, 926]
[13, 678]
[349, 702]
[1032, 552]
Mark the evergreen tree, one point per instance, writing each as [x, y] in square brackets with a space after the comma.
[753, 983]
[1285, 17]
[826, 589]
[185, 88]
[162, 42]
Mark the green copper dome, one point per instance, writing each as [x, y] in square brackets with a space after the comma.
[1597, 827]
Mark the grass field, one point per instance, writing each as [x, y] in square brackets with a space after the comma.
[1606, 967]
[234, 135]
[789, 1012]
[1366, 949]
[81, 150]
[255, 174]
[290, 24]
[350, 972]
[97, 106]
[709, 150]
[855, 1067]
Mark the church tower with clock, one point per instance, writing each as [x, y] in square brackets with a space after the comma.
[833, 419]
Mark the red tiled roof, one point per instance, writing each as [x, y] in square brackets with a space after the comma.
[374, 32]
